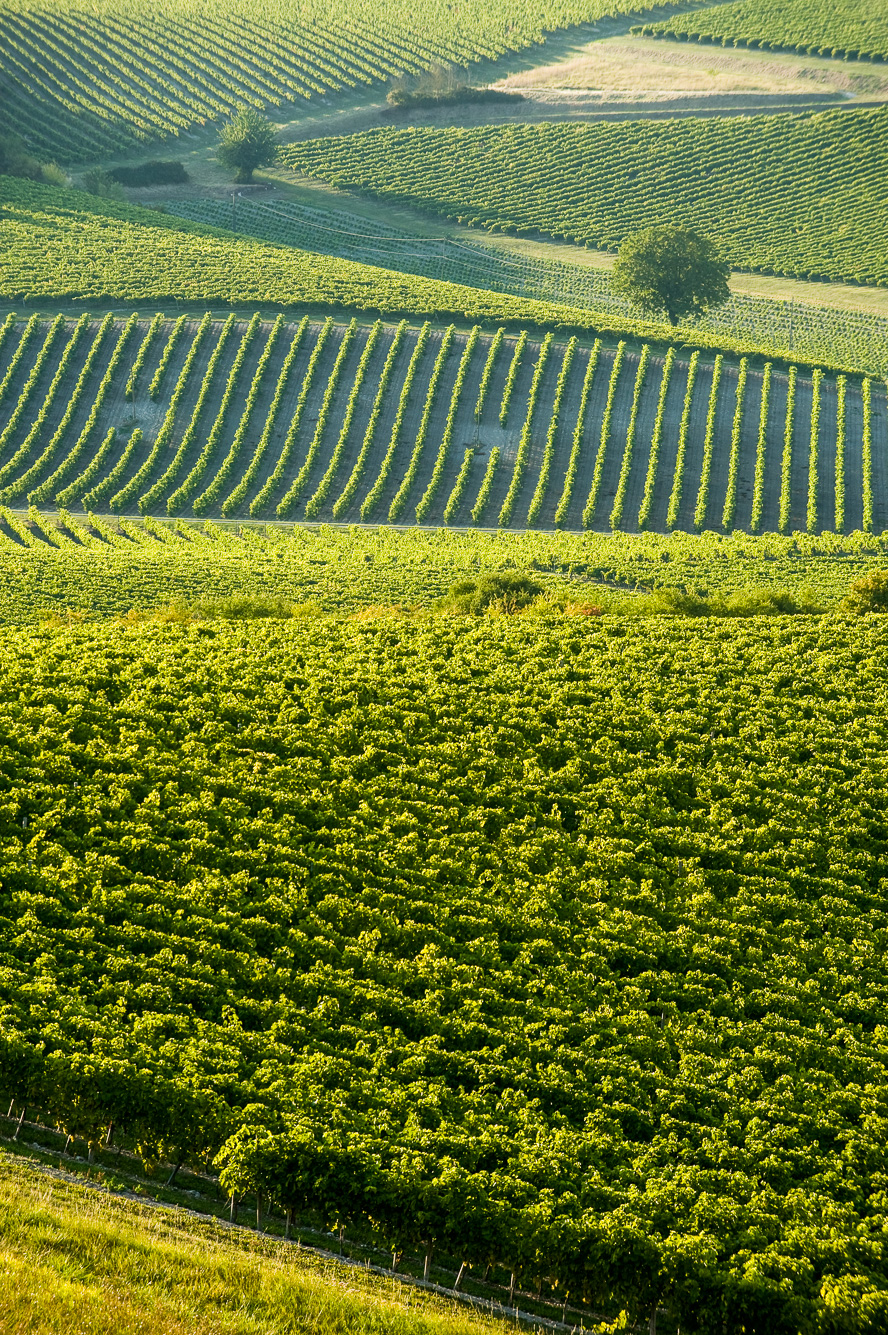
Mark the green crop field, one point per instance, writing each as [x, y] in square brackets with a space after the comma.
[798, 195]
[324, 421]
[782, 328]
[854, 29]
[465, 930]
[83, 81]
[442, 700]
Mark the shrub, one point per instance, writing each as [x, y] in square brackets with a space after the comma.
[491, 593]
[868, 594]
[157, 172]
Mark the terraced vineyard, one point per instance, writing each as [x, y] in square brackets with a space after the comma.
[796, 195]
[854, 29]
[319, 420]
[83, 81]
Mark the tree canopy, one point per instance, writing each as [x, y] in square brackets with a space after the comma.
[245, 143]
[673, 270]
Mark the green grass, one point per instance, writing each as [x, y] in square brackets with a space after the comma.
[77, 1261]
[796, 195]
[851, 28]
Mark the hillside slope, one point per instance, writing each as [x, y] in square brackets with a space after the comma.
[795, 195]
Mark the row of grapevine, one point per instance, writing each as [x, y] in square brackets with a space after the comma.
[316, 501]
[356, 476]
[786, 460]
[708, 444]
[813, 463]
[647, 501]
[523, 450]
[554, 422]
[616, 517]
[374, 494]
[675, 495]
[758, 487]
[730, 506]
[397, 505]
[604, 437]
[431, 490]
[481, 504]
[573, 464]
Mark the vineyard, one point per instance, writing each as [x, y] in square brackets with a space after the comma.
[85, 81]
[853, 29]
[578, 893]
[847, 339]
[796, 195]
[316, 420]
[442, 748]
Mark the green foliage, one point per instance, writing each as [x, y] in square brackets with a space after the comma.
[248, 141]
[491, 593]
[868, 594]
[89, 82]
[578, 952]
[849, 28]
[102, 184]
[748, 183]
[671, 269]
[156, 172]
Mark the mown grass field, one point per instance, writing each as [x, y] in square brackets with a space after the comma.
[76, 1261]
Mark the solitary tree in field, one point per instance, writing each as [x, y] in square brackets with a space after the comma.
[671, 270]
[247, 142]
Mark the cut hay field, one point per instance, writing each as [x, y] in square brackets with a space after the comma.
[376, 422]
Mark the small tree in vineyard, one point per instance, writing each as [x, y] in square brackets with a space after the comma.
[671, 270]
[247, 142]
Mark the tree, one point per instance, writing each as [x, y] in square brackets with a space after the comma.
[247, 142]
[671, 269]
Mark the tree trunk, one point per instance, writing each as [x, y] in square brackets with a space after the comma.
[512, 1290]
[90, 1158]
[173, 1175]
[428, 1261]
[233, 1211]
[11, 1106]
[396, 1259]
[458, 1280]
[486, 1273]
[20, 1121]
[65, 1150]
[341, 1236]
[258, 1212]
[109, 1133]
[289, 1223]
[652, 1324]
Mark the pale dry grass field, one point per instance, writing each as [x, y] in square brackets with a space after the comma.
[646, 65]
